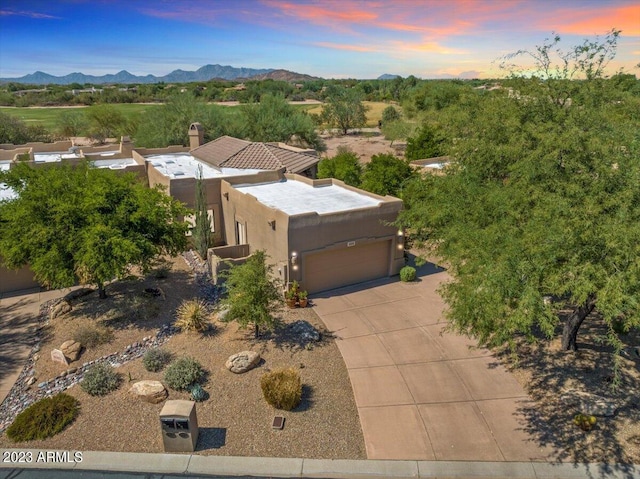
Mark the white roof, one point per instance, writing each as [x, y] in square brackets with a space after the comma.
[52, 156]
[295, 197]
[183, 165]
[6, 193]
[115, 164]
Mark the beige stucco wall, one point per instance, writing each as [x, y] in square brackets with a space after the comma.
[11, 280]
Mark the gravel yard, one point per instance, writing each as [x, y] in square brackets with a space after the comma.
[235, 420]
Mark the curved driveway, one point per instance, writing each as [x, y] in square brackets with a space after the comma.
[421, 393]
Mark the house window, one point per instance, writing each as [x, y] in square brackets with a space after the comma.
[241, 233]
[191, 220]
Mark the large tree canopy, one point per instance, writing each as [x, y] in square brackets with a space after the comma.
[541, 202]
[84, 224]
[343, 108]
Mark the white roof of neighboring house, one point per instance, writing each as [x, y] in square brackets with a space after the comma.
[115, 163]
[51, 157]
[183, 165]
[296, 197]
[6, 193]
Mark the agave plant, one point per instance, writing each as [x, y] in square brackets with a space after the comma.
[198, 394]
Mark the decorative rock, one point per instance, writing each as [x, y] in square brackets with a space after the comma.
[59, 309]
[71, 349]
[71, 370]
[222, 313]
[150, 391]
[36, 357]
[304, 331]
[31, 380]
[590, 404]
[242, 362]
[59, 357]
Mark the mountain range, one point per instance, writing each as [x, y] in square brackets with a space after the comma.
[205, 73]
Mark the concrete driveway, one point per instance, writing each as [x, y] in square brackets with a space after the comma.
[421, 393]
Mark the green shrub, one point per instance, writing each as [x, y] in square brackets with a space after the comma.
[193, 315]
[183, 373]
[282, 388]
[91, 335]
[156, 359]
[198, 394]
[408, 273]
[100, 380]
[44, 418]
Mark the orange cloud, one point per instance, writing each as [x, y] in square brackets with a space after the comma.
[598, 20]
[315, 13]
[426, 47]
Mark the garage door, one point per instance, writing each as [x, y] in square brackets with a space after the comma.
[344, 266]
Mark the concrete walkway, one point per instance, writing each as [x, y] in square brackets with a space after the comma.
[18, 325]
[423, 394]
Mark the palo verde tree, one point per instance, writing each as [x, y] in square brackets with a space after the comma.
[252, 294]
[84, 224]
[539, 209]
[202, 228]
[343, 108]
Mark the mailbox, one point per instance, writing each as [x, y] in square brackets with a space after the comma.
[179, 426]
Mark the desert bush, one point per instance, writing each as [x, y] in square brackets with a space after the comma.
[282, 388]
[408, 273]
[198, 394]
[100, 380]
[44, 418]
[183, 373]
[156, 359]
[91, 335]
[193, 315]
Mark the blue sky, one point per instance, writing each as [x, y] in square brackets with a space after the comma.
[330, 38]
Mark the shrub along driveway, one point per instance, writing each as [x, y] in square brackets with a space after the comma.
[421, 393]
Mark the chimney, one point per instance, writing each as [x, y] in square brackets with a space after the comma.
[126, 146]
[196, 136]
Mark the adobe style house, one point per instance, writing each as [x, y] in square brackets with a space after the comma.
[260, 196]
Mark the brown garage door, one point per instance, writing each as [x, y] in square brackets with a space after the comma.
[344, 266]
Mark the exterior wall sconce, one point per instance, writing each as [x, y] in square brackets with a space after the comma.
[400, 233]
[226, 195]
[294, 258]
[272, 223]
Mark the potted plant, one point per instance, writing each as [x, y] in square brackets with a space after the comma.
[302, 298]
[291, 297]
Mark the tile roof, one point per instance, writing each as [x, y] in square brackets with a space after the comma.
[235, 153]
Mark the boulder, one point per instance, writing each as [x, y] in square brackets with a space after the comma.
[304, 331]
[59, 357]
[149, 391]
[71, 349]
[60, 309]
[588, 403]
[222, 314]
[242, 362]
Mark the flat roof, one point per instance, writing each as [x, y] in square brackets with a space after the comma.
[295, 197]
[6, 193]
[115, 163]
[53, 156]
[183, 165]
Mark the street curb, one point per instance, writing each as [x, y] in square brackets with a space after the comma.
[312, 468]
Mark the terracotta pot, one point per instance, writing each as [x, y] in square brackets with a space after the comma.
[291, 303]
[303, 303]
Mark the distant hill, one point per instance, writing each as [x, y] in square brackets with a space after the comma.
[388, 76]
[205, 73]
[284, 75]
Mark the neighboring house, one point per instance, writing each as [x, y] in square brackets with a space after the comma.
[321, 233]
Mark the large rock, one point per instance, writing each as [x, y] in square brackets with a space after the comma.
[150, 391]
[588, 403]
[71, 349]
[60, 309]
[304, 331]
[242, 362]
[59, 357]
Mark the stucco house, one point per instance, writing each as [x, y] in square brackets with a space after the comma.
[321, 233]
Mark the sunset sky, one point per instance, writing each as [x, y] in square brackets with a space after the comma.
[327, 38]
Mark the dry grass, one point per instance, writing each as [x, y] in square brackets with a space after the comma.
[235, 420]
[374, 112]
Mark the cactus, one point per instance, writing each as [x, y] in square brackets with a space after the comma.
[198, 394]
